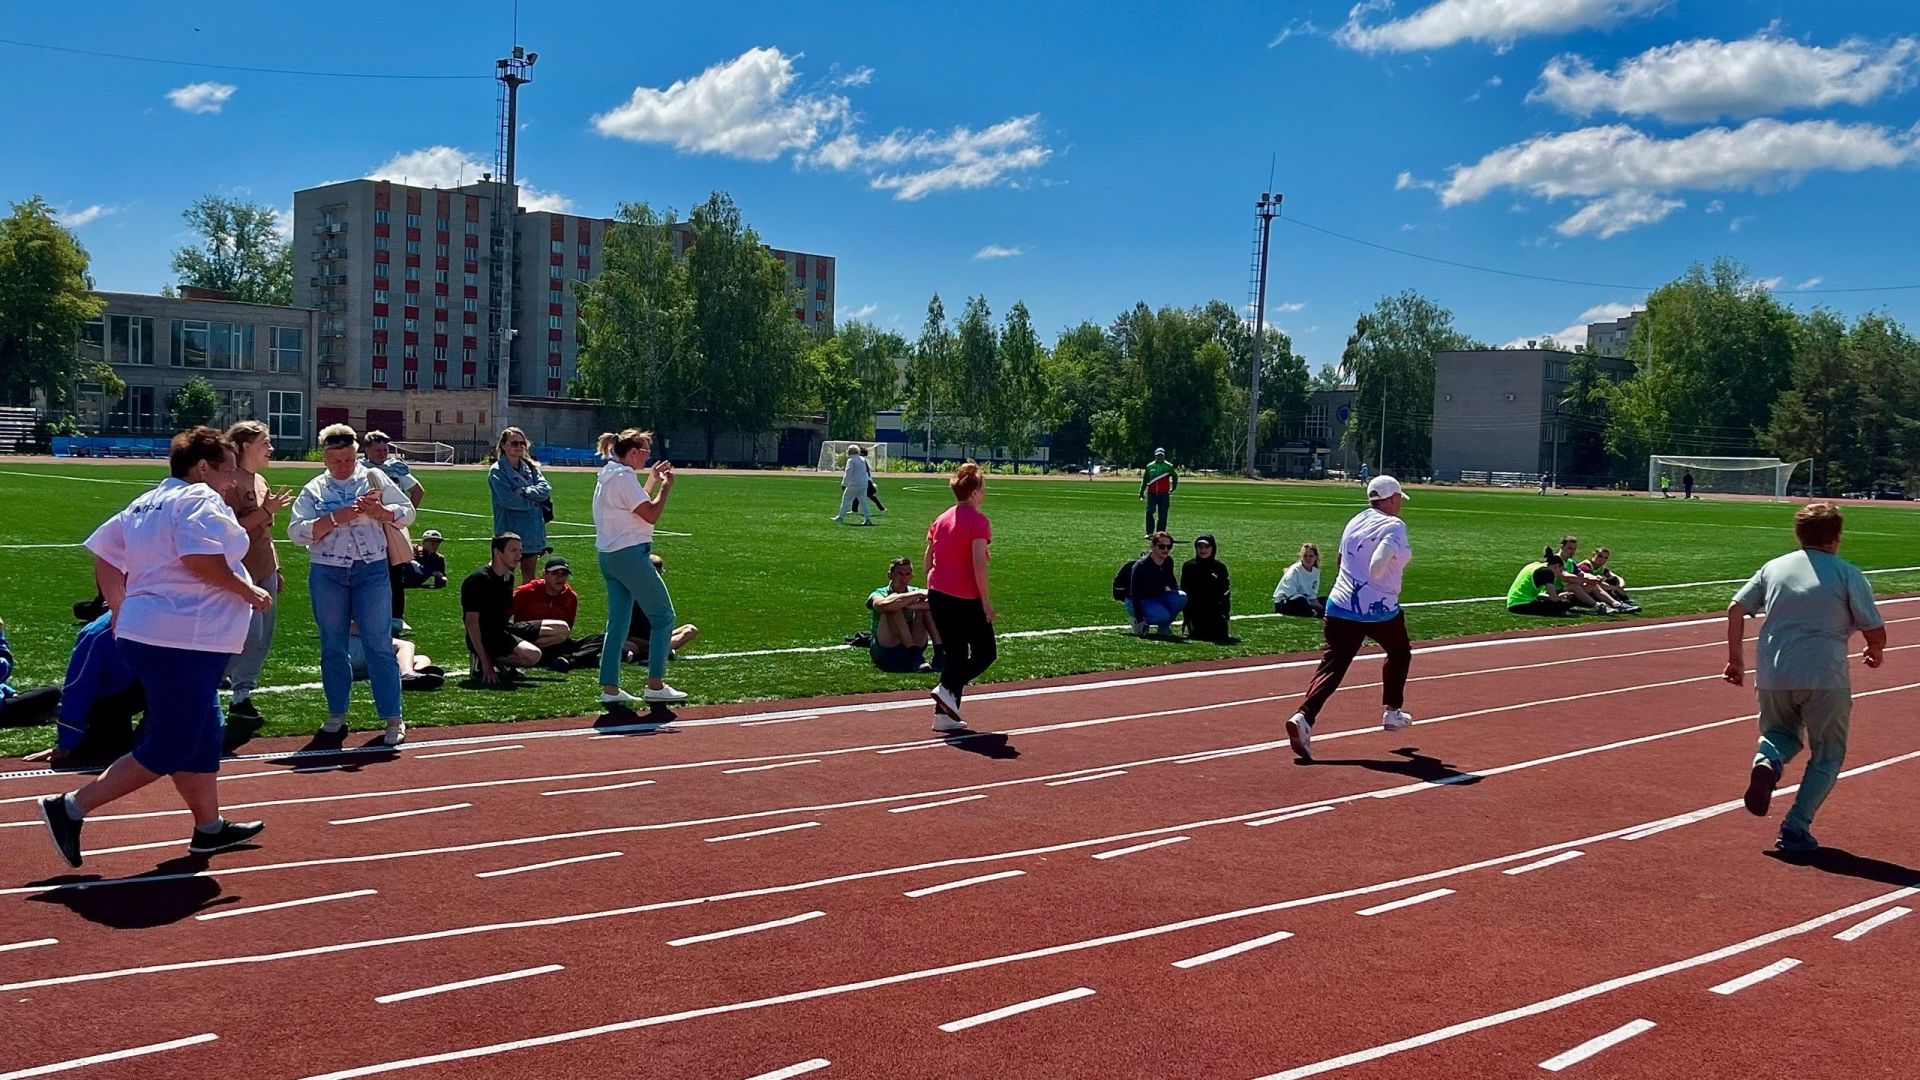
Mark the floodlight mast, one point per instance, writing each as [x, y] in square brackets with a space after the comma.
[1264, 211]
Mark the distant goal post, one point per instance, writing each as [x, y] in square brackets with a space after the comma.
[1723, 475]
[423, 453]
[833, 455]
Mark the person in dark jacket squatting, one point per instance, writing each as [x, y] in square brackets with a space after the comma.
[1153, 596]
[1209, 591]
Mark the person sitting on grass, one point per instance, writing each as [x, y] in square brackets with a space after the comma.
[1535, 591]
[486, 599]
[545, 608]
[1154, 598]
[901, 628]
[98, 702]
[1298, 593]
[1589, 597]
[1599, 567]
[428, 570]
[640, 629]
[1209, 591]
[417, 670]
[22, 708]
[1594, 583]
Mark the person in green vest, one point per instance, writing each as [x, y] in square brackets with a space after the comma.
[1156, 487]
[1534, 592]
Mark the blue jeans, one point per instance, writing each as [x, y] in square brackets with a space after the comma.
[245, 668]
[1158, 610]
[631, 578]
[361, 593]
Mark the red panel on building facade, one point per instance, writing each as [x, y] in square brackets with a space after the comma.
[470, 316]
[382, 196]
[413, 234]
[558, 259]
[473, 208]
[382, 257]
[440, 264]
[553, 335]
[557, 227]
[381, 228]
[413, 202]
[554, 309]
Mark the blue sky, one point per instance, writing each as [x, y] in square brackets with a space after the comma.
[1078, 157]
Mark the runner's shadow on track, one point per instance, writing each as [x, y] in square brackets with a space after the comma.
[988, 744]
[133, 904]
[331, 751]
[1845, 863]
[1414, 766]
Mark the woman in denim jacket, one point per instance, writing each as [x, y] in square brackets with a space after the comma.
[518, 492]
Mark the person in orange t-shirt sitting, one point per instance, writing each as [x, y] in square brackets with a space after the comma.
[545, 608]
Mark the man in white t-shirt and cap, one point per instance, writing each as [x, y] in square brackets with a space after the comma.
[1364, 604]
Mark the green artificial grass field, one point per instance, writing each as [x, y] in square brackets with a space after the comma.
[763, 568]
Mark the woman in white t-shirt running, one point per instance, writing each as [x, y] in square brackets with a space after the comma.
[171, 569]
[624, 513]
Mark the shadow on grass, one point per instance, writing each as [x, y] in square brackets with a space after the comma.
[1845, 863]
[1413, 765]
[135, 904]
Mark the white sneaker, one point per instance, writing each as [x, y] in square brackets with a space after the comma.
[665, 693]
[334, 725]
[943, 722]
[944, 701]
[618, 697]
[396, 732]
[1395, 719]
[1300, 734]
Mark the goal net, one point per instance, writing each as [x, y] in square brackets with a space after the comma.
[833, 455]
[1722, 475]
[424, 453]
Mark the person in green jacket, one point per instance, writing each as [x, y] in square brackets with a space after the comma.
[1533, 591]
[1156, 487]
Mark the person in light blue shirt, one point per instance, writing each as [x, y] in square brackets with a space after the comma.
[522, 499]
[22, 708]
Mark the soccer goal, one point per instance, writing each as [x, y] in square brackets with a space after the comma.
[833, 455]
[1722, 475]
[424, 453]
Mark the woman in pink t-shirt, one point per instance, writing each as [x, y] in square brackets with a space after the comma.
[956, 563]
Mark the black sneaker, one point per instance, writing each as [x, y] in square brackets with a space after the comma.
[230, 835]
[62, 827]
[1760, 784]
[243, 709]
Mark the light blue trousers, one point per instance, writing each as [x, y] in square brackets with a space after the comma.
[631, 578]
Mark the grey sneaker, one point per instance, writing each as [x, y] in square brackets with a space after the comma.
[334, 725]
[396, 732]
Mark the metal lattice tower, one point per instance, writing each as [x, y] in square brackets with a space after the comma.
[1263, 215]
[512, 73]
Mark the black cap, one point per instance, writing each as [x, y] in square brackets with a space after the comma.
[558, 563]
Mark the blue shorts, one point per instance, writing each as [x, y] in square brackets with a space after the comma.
[899, 659]
[183, 728]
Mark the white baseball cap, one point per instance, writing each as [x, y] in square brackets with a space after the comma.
[432, 534]
[1383, 487]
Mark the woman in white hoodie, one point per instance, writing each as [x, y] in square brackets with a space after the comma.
[624, 512]
[853, 486]
[1299, 590]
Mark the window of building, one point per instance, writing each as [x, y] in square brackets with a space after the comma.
[93, 342]
[379, 322]
[410, 352]
[584, 250]
[553, 322]
[473, 254]
[287, 413]
[472, 303]
[466, 380]
[379, 376]
[413, 221]
[439, 383]
[379, 243]
[410, 378]
[581, 273]
[440, 224]
[440, 353]
[379, 348]
[380, 297]
[235, 405]
[559, 247]
[413, 247]
[134, 413]
[472, 279]
[473, 228]
[128, 339]
[440, 301]
[439, 277]
[554, 296]
[380, 217]
[412, 325]
[440, 251]
[190, 342]
[413, 273]
[288, 348]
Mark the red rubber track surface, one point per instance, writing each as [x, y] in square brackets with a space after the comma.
[1526, 749]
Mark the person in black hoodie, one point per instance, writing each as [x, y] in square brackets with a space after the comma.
[1209, 591]
[1153, 595]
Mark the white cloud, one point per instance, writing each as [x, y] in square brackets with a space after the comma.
[1499, 22]
[1617, 213]
[859, 76]
[1493, 82]
[1769, 284]
[996, 251]
[201, 97]
[1705, 79]
[861, 312]
[1716, 206]
[1810, 283]
[87, 215]
[447, 167]
[283, 221]
[1290, 306]
[1741, 222]
[915, 165]
[1294, 29]
[1575, 335]
[1405, 180]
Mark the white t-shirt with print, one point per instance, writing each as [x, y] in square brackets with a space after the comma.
[166, 605]
[1298, 581]
[1363, 592]
[616, 492]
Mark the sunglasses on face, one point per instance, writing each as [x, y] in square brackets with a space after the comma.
[334, 442]
[1163, 547]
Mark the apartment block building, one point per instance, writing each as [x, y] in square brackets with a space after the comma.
[1494, 410]
[1612, 337]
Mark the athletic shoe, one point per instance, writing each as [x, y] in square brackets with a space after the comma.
[399, 628]
[334, 725]
[396, 732]
[835, 520]
[619, 697]
[946, 702]
[243, 709]
[1760, 785]
[944, 723]
[1139, 628]
[1601, 609]
[665, 693]
[1395, 719]
[939, 661]
[62, 827]
[1795, 841]
[231, 834]
[1300, 734]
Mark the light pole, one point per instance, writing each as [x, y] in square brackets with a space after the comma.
[1264, 210]
[513, 72]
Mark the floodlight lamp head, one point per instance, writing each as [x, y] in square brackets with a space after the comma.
[533, 58]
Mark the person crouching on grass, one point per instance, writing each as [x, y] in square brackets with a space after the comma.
[172, 568]
[1154, 598]
[901, 627]
[957, 593]
[1814, 601]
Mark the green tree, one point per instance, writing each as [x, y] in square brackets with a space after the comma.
[877, 359]
[1327, 378]
[195, 403]
[1814, 419]
[1022, 385]
[635, 322]
[1584, 416]
[976, 366]
[1390, 356]
[45, 296]
[240, 251]
[929, 382]
[836, 391]
[1083, 375]
[1177, 379]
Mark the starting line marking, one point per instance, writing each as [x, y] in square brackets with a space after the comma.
[931, 805]
[1544, 863]
[763, 832]
[753, 929]
[229, 913]
[29, 944]
[799, 1069]
[775, 765]
[1405, 901]
[401, 814]
[1015, 1010]
[1083, 779]
[1233, 950]
[1117, 852]
[117, 1055]
[1855, 933]
[408, 995]
[1734, 986]
[1593, 1046]
[964, 882]
[463, 753]
[551, 863]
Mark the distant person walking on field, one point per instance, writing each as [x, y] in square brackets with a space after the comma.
[1814, 601]
[853, 487]
[1666, 486]
[1686, 484]
[1364, 603]
[1156, 487]
[957, 593]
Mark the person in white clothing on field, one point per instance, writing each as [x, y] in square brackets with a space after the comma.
[1298, 593]
[624, 512]
[853, 486]
[1364, 603]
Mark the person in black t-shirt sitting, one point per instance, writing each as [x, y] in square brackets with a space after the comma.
[486, 598]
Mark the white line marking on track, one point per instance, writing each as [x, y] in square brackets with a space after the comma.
[100, 1059]
[753, 929]
[763, 832]
[1214, 755]
[1162, 842]
[551, 863]
[1015, 1009]
[798, 1069]
[1856, 932]
[1596, 1044]
[781, 720]
[601, 787]
[964, 882]
[34, 944]
[775, 765]
[133, 847]
[463, 753]
[1084, 779]
[1308, 812]
[463, 984]
[931, 805]
[1406, 901]
[1233, 950]
[402, 813]
[228, 913]
[1734, 986]
[1544, 863]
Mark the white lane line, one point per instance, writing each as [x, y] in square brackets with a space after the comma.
[1084, 779]
[601, 787]
[753, 929]
[931, 805]
[1308, 812]
[1233, 950]
[1734, 986]
[228, 913]
[1162, 842]
[798, 1069]
[464, 753]
[1855, 933]
[1015, 1009]
[484, 980]
[133, 847]
[1405, 901]
[550, 863]
[1544, 863]
[1594, 1045]
[1215, 755]
[763, 832]
[964, 882]
[100, 1059]
[775, 765]
[34, 944]
[781, 720]
[402, 813]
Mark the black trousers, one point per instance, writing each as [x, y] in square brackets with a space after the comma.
[1301, 607]
[1157, 503]
[1344, 638]
[398, 582]
[1542, 606]
[873, 496]
[968, 636]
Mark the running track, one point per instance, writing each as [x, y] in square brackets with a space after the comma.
[1132, 879]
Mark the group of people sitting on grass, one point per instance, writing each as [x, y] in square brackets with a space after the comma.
[1562, 583]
